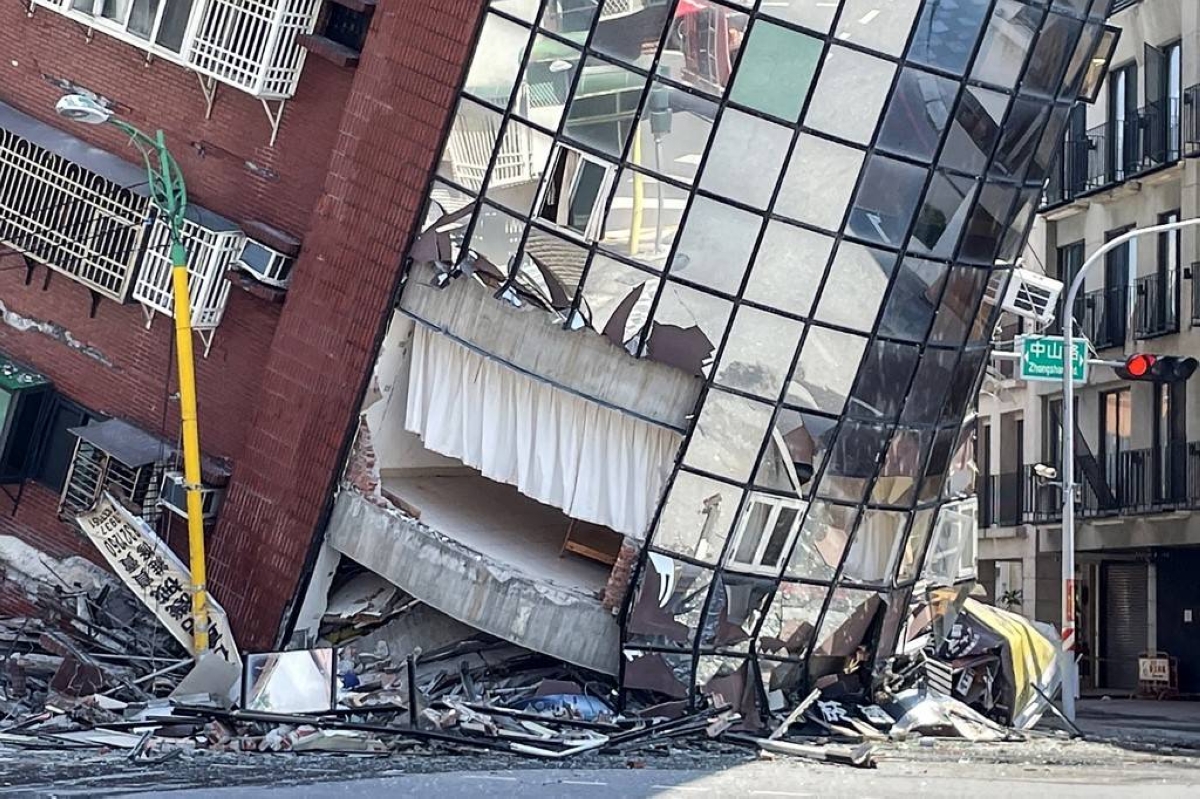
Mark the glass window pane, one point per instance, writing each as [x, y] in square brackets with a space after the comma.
[697, 517]
[883, 381]
[668, 602]
[672, 132]
[551, 267]
[173, 25]
[881, 25]
[913, 299]
[897, 481]
[1044, 75]
[822, 540]
[914, 545]
[728, 435]
[826, 369]
[497, 60]
[1014, 236]
[522, 9]
[886, 201]
[469, 147]
[604, 106]
[947, 32]
[943, 215]
[703, 45]
[520, 164]
[643, 218]
[794, 455]
[1006, 43]
[848, 621]
[617, 298]
[759, 352]
[572, 19]
[688, 325]
[854, 289]
[819, 182]
[959, 302]
[853, 459]
[629, 37]
[791, 621]
[776, 71]
[986, 227]
[733, 613]
[924, 402]
[788, 267]
[873, 553]
[1019, 138]
[496, 237]
[715, 245]
[917, 114]
[962, 384]
[848, 73]
[975, 130]
[817, 16]
[1079, 59]
[746, 157]
[546, 83]
[938, 463]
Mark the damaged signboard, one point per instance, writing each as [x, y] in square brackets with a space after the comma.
[154, 574]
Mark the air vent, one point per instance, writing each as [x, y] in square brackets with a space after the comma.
[173, 497]
[265, 264]
[1028, 295]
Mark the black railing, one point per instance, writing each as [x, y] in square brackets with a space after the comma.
[1194, 274]
[1189, 122]
[1156, 308]
[1001, 500]
[1111, 153]
[1055, 327]
[1121, 5]
[1141, 481]
[1104, 315]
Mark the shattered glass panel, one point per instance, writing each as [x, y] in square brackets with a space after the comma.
[826, 369]
[728, 435]
[715, 245]
[688, 325]
[551, 267]
[697, 517]
[854, 289]
[668, 603]
[290, 682]
[781, 679]
[643, 218]
[616, 300]
[734, 611]
[852, 461]
[791, 620]
[819, 182]
[873, 555]
[496, 237]
[728, 680]
[759, 352]
[797, 448]
[789, 267]
[666, 673]
[847, 622]
[498, 54]
[822, 541]
[745, 145]
[848, 73]
[448, 212]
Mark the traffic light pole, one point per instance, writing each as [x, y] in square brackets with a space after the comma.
[1071, 671]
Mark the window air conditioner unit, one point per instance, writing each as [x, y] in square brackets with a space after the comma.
[1029, 296]
[264, 264]
[173, 497]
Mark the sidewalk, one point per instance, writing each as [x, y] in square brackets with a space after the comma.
[1166, 723]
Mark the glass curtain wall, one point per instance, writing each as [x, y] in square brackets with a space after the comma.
[805, 203]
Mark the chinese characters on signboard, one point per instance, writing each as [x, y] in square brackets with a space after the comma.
[155, 575]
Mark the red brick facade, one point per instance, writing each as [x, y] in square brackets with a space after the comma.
[280, 390]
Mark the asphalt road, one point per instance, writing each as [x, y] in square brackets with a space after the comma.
[773, 779]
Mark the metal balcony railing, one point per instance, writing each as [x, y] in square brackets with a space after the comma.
[1189, 122]
[1105, 313]
[1001, 500]
[1156, 309]
[1121, 5]
[1142, 481]
[1116, 151]
[1194, 273]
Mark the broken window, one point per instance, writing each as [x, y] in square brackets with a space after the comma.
[764, 536]
[24, 396]
[574, 192]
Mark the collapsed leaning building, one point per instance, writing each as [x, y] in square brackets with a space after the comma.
[693, 306]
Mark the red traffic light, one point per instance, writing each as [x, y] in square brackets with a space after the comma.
[1139, 365]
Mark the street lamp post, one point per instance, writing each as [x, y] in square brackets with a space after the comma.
[1070, 678]
[169, 193]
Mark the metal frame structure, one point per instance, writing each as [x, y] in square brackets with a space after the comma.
[936, 363]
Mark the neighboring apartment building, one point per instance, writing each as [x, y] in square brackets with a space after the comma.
[1130, 160]
[305, 150]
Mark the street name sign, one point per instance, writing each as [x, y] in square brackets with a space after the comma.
[1042, 356]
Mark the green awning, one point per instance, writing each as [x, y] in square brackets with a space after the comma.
[14, 377]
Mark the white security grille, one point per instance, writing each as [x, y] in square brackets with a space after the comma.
[69, 219]
[210, 255]
[248, 44]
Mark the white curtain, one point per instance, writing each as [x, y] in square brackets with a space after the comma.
[596, 464]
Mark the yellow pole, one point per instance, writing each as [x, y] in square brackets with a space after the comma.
[635, 219]
[191, 445]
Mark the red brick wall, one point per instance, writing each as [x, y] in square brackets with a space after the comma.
[131, 369]
[326, 340]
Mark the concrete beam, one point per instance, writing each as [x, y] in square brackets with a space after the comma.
[482, 592]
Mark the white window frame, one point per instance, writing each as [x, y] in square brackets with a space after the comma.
[777, 505]
[120, 30]
[965, 512]
[595, 223]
